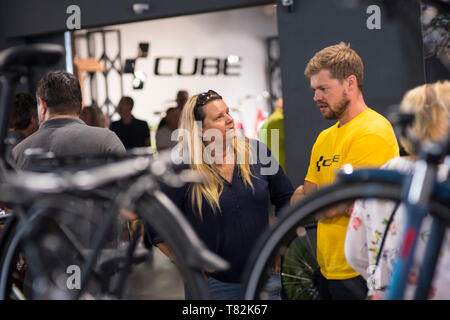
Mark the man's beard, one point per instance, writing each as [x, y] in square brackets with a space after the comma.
[338, 109]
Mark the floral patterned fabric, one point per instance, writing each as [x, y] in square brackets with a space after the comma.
[365, 231]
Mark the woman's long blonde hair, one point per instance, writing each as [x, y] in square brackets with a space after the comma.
[193, 146]
[431, 105]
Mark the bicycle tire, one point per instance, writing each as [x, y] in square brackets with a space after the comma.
[10, 249]
[299, 267]
[6, 239]
[5, 234]
[37, 220]
[284, 230]
[21, 234]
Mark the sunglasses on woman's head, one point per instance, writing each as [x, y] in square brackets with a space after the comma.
[204, 98]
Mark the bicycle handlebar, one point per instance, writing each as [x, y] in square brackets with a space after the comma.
[15, 58]
[161, 168]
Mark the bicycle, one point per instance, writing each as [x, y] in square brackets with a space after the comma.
[41, 203]
[419, 192]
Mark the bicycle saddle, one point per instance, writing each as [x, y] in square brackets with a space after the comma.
[33, 55]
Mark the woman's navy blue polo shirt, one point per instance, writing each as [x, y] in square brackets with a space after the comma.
[232, 231]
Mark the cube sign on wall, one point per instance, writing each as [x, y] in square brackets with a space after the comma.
[202, 66]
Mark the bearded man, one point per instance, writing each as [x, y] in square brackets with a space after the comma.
[360, 137]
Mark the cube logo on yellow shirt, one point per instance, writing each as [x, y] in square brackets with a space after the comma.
[327, 162]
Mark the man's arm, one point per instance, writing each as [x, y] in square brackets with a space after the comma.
[307, 188]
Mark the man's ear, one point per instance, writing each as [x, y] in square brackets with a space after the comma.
[42, 110]
[352, 81]
[42, 104]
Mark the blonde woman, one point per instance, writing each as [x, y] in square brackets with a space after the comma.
[230, 209]
[431, 105]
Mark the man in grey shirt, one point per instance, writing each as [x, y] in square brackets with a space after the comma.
[61, 131]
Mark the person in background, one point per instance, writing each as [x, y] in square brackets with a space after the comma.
[133, 133]
[23, 120]
[107, 120]
[170, 123]
[431, 105]
[181, 99]
[275, 123]
[164, 134]
[360, 137]
[229, 210]
[93, 116]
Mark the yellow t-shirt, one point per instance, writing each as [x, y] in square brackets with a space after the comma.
[367, 140]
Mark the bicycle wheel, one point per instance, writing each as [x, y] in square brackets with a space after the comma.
[283, 237]
[299, 266]
[16, 275]
[48, 241]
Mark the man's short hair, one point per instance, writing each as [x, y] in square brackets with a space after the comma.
[128, 101]
[23, 109]
[61, 92]
[340, 60]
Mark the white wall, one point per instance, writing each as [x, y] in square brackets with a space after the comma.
[239, 32]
